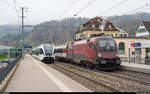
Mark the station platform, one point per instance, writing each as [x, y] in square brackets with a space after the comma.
[34, 76]
[136, 67]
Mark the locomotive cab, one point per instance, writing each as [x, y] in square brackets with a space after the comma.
[44, 52]
[49, 54]
[99, 52]
[106, 53]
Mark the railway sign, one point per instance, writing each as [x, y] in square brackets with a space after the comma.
[26, 46]
[135, 44]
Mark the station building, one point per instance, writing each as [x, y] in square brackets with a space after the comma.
[127, 53]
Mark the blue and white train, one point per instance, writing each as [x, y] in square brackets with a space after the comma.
[44, 52]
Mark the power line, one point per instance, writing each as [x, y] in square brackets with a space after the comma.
[84, 7]
[15, 4]
[9, 4]
[120, 3]
[15, 8]
[17, 41]
[142, 7]
[71, 4]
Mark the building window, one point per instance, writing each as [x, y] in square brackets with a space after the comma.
[137, 51]
[147, 52]
[110, 27]
[121, 48]
[125, 35]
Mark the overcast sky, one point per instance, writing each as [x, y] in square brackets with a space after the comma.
[45, 10]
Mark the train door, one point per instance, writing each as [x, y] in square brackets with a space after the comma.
[138, 55]
[41, 53]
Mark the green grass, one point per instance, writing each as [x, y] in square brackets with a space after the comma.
[73, 67]
[95, 75]
[3, 58]
[3, 54]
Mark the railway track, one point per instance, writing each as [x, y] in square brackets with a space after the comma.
[125, 74]
[102, 83]
[132, 77]
[133, 74]
[140, 77]
[122, 81]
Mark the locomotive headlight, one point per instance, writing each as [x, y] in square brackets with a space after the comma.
[99, 54]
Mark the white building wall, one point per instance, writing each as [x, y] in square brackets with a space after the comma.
[142, 34]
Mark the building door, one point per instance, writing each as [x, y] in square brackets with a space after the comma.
[147, 58]
[138, 55]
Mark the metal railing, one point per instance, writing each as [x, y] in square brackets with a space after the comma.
[137, 60]
[4, 72]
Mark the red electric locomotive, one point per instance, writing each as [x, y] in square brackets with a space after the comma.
[99, 52]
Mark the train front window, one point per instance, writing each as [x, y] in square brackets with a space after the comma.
[105, 43]
[48, 50]
[111, 43]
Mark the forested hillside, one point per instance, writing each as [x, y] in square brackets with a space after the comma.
[130, 23]
[62, 31]
[55, 31]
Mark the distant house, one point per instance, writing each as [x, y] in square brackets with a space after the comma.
[143, 30]
[98, 25]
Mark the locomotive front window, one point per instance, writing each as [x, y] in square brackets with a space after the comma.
[103, 43]
[111, 43]
[48, 50]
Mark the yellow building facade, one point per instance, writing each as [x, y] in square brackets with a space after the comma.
[120, 36]
[125, 54]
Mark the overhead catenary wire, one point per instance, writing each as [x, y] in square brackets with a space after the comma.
[15, 8]
[139, 8]
[70, 5]
[18, 24]
[84, 7]
[9, 4]
[118, 4]
[65, 11]
[15, 4]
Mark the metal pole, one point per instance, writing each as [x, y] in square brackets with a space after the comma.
[129, 55]
[22, 9]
